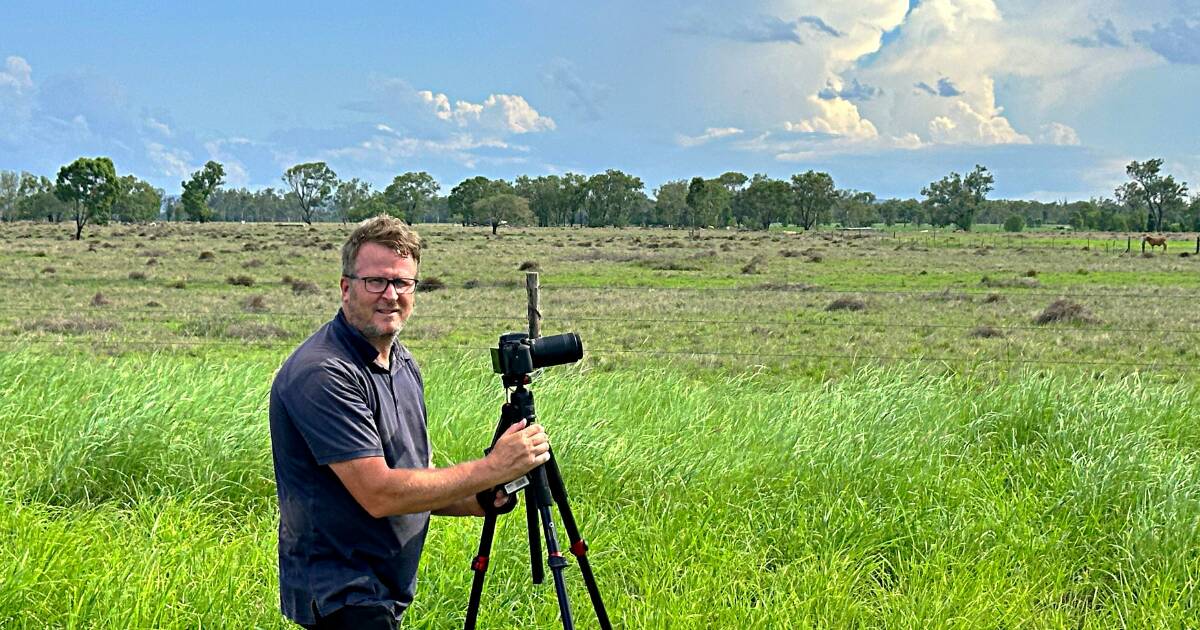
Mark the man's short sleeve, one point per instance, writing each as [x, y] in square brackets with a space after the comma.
[329, 406]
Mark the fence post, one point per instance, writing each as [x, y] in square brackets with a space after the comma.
[535, 313]
[1198, 244]
[1128, 244]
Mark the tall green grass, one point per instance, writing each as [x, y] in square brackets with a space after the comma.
[138, 492]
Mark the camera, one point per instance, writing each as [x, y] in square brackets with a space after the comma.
[517, 354]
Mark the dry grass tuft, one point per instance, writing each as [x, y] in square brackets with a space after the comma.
[755, 265]
[151, 262]
[846, 304]
[993, 298]
[49, 270]
[253, 331]
[305, 287]
[253, 263]
[255, 304]
[946, 295]
[985, 332]
[529, 265]
[785, 286]
[153, 304]
[68, 325]
[137, 275]
[1032, 273]
[1020, 283]
[207, 256]
[100, 300]
[1063, 310]
[240, 281]
[472, 284]
[177, 284]
[432, 283]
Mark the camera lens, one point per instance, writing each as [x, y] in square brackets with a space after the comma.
[556, 350]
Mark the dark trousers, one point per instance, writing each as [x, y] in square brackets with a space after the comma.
[357, 618]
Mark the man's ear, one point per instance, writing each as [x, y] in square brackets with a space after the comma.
[345, 284]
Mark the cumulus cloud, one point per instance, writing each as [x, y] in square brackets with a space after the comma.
[17, 75]
[838, 117]
[710, 134]
[1058, 133]
[945, 88]
[856, 91]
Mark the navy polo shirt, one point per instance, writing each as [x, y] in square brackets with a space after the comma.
[331, 402]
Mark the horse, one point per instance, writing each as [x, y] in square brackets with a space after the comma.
[1155, 241]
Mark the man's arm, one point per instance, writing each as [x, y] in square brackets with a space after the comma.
[384, 491]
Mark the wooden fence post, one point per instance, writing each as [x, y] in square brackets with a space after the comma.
[535, 313]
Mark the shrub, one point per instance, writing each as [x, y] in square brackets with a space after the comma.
[1014, 223]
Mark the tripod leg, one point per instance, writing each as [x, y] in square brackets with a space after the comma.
[578, 546]
[535, 540]
[480, 565]
[554, 557]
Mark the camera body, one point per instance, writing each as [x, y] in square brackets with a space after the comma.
[516, 354]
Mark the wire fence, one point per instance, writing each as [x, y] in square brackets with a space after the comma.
[163, 344]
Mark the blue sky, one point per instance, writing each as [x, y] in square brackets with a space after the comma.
[886, 95]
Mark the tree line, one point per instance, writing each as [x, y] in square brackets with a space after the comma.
[90, 191]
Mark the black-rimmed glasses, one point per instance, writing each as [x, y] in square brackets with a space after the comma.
[376, 284]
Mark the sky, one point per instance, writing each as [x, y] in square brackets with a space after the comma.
[1054, 98]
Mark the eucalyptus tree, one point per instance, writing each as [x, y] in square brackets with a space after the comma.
[199, 188]
[90, 185]
[312, 184]
[1160, 193]
[408, 192]
[955, 199]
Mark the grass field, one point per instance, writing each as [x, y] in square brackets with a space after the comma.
[738, 455]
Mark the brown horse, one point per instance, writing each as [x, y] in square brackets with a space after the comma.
[1155, 241]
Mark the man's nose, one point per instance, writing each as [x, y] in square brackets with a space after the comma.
[390, 291]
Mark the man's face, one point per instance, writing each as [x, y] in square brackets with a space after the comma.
[378, 315]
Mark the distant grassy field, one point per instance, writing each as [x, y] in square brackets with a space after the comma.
[738, 454]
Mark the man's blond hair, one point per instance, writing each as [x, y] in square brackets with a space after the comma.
[386, 230]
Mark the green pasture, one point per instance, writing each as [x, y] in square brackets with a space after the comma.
[738, 454]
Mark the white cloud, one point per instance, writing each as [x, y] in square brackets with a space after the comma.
[502, 112]
[1058, 133]
[159, 127]
[710, 134]
[171, 162]
[837, 117]
[17, 74]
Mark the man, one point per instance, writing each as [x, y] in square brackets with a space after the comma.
[353, 472]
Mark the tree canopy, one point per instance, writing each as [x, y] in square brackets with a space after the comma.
[91, 186]
[312, 183]
[199, 188]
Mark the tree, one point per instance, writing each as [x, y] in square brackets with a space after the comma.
[10, 194]
[670, 203]
[311, 183]
[611, 197]
[708, 201]
[855, 208]
[199, 188]
[1014, 223]
[37, 200]
[137, 201]
[956, 199]
[349, 198]
[1159, 194]
[763, 202]
[813, 194]
[504, 208]
[409, 191]
[90, 185]
[463, 196]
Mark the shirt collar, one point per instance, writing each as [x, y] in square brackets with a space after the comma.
[362, 346]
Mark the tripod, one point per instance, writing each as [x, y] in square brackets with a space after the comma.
[545, 489]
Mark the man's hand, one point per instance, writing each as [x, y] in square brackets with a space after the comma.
[521, 449]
